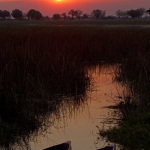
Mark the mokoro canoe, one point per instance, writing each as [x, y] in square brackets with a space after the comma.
[67, 146]
[109, 147]
[63, 146]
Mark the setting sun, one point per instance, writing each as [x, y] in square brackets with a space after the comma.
[58, 0]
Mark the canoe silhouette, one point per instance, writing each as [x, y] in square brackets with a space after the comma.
[67, 146]
[63, 146]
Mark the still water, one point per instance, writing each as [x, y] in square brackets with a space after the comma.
[77, 122]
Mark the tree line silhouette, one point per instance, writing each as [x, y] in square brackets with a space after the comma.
[18, 14]
[72, 14]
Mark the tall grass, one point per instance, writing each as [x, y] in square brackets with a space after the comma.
[133, 130]
[34, 69]
[135, 73]
[40, 62]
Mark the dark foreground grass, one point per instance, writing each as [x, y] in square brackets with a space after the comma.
[37, 59]
[134, 109]
[40, 62]
[133, 133]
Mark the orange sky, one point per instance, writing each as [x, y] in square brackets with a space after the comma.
[49, 7]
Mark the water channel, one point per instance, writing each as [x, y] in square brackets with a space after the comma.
[78, 123]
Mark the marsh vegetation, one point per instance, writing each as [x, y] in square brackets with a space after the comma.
[40, 62]
[86, 22]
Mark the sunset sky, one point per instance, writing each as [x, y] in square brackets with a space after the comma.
[49, 7]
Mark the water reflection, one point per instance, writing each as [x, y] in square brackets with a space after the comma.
[59, 25]
[75, 117]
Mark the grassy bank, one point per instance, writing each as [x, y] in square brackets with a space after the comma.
[134, 108]
[133, 133]
[40, 62]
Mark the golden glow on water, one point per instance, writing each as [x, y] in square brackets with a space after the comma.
[77, 123]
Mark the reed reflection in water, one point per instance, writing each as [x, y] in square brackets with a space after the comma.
[77, 117]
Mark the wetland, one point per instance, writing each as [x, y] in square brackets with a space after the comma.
[49, 77]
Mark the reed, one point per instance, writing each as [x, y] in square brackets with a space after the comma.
[133, 127]
[41, 61]
[131, 134]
